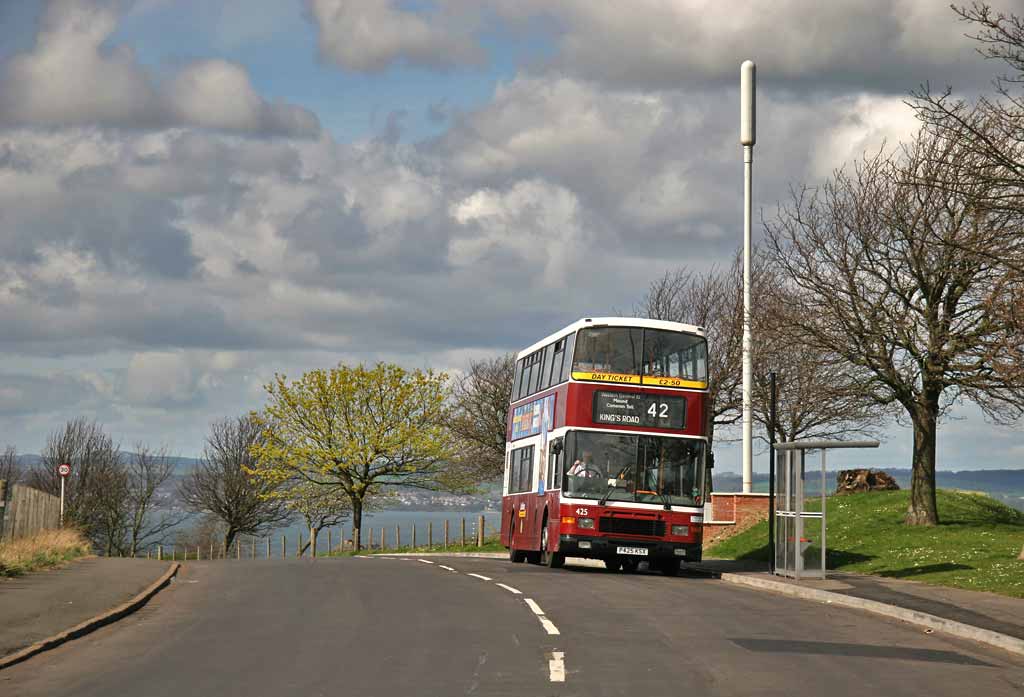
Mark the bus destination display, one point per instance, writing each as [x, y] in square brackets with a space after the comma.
[632, 409]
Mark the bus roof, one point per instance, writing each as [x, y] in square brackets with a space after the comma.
[612, 322]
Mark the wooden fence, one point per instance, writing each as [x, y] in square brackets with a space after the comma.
[331, 541]
[25, 511]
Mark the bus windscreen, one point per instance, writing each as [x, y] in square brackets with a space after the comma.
[643, 469]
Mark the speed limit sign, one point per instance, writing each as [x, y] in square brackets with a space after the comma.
[64, 470]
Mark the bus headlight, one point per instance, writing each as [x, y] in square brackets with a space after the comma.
[585, 523]
[681, 530]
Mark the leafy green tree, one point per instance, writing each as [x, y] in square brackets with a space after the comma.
[359, 429]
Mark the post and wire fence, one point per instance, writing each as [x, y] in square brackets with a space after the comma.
[472, 533]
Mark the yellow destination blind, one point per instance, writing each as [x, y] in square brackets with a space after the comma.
[625, 379]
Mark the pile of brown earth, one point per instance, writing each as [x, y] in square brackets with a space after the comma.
[860, 480]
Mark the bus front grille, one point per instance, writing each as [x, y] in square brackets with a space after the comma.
[632, 526]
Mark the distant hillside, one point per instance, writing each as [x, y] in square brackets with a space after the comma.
[1004, 485]
[181, 464]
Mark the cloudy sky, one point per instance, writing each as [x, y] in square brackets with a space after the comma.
[196, 194]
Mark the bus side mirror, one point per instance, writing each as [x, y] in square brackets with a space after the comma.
[710, 463]
[556, 447]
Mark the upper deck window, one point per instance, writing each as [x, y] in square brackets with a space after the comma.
[675, 355]
[633, 355]
[608, 350]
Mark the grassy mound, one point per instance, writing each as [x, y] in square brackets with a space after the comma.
[975, 546]
[44, 549]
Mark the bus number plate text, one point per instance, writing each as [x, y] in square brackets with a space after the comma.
[635, 409]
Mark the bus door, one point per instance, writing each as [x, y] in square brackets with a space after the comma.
[553, 485]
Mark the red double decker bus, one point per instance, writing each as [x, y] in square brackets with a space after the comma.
[606, 450]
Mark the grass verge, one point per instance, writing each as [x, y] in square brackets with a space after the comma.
[44, 549]
[975, 546]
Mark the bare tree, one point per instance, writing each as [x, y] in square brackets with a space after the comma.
[10, 467]
[712, 300]
[91, 489]
[814, 399]
[221, 486]
[480, 416]
[321, 505]
[991, 129]
[916, 323]
[147, 470]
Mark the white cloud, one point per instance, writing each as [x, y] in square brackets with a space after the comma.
[218, 94]
[371, 35]
[70, 78]
[536, 222]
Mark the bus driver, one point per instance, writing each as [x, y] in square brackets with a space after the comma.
[584, 466]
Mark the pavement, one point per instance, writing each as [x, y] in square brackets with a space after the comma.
[996, 613]
[41, 604]
[389, 626]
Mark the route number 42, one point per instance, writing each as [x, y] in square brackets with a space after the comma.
[658, 410]
[582, 512]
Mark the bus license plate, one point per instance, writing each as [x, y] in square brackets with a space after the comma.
[639, 551]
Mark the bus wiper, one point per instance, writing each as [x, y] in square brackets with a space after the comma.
[665, 500]
[611, 488]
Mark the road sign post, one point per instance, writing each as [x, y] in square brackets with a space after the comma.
[64, 470]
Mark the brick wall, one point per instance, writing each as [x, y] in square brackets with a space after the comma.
[733, 513]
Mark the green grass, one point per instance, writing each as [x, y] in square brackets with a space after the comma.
[975, 546]
[490, 545]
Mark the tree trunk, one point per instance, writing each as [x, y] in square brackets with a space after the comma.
[357, 522]
[923, 509]
[229, 537]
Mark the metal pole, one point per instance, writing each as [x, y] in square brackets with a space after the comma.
[62, 500]
[772, 415]
[747, 80]
[823, 451]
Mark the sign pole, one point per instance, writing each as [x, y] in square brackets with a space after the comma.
[747, 81]
[64, 470]
[771, 473]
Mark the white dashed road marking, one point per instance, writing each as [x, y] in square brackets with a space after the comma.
[548, 625]
[556, 660]
[556, 666]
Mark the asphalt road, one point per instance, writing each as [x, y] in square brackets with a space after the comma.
[387, 626]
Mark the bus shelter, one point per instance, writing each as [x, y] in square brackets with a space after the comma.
[800, 524]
